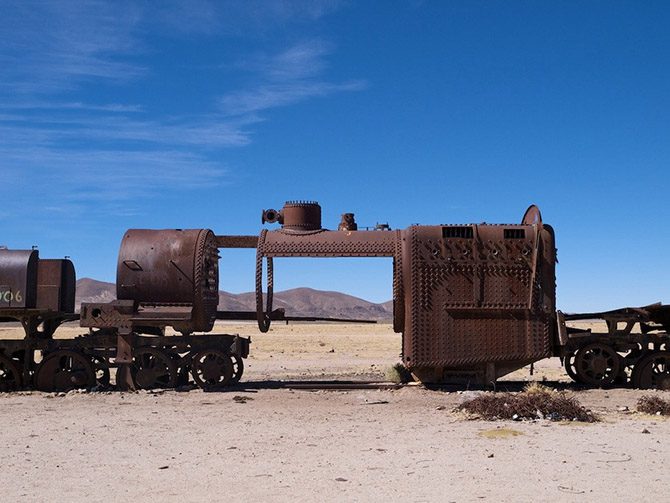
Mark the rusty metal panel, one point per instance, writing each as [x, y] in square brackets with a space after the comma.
[56, 284]
[236, 241]
[171, 266]
[18, 278]
[323, 243]
[477, 294]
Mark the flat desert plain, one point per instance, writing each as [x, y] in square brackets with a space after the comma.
[270, 440]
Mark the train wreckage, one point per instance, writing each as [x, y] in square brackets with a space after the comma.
[472, 302]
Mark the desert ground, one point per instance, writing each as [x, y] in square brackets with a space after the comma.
[271, 440]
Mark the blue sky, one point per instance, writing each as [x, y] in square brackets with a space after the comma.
[162, 114]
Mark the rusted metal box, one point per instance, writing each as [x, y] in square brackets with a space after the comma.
[56, 284]
[171, 267]
[18, 278]
[477, 298]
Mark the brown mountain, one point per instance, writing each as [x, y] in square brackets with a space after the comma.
[296, 302]
[91, 290]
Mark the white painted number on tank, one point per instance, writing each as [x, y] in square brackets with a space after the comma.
[9, 296]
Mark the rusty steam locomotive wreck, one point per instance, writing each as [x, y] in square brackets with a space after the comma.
[473, 303]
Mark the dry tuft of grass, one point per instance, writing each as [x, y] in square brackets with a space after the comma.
[653, 405]
[535, 402]
[500, 433]
[398, 374]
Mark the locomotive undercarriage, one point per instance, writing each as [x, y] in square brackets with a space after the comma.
[635, 350]
[211, 361]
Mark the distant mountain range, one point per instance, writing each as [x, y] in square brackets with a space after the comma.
[296, 302]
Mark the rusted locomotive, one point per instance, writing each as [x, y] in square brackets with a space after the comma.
[166, 278]
[473, 303]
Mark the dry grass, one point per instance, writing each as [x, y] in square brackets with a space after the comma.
[653, 405]
[535, 402]
[398, 374]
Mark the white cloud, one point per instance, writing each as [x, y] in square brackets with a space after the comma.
[48, 47]
[65, 149]
[287, 78]
[102, 181]
[238, 18]
[46, 105]
[277, 95]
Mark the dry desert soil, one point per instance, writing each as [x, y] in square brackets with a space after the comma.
[271, 440]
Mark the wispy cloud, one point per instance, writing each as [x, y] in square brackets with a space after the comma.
[46, 105]
[47, 47]
[286, 78]
[234, 17]
[73, 145]
[102, 181]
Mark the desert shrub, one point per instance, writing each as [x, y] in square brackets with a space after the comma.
[650, 404]
[398, 374]
[535, 402]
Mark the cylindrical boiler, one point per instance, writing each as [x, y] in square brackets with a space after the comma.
[18, 278]
[171, 267]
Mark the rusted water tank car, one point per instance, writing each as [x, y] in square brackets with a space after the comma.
[39, 293]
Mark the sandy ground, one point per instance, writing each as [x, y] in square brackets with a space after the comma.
[257, 443]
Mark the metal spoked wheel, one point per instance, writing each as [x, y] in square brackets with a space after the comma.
[238, 368]
[153, 368]
[652, 371]
[63, 371]
[570, 368]
[597, 364]
[212, 369]
[10, 375]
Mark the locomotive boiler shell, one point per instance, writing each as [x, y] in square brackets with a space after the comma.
[18, 278]
[478, 296]
[171, 267]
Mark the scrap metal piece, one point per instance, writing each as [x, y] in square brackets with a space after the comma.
[64, 370]
[56, 284]
[597, 365]
[479, 298]
[18, 278]
[170, 268]
[152, 368]
[212, 369]
[301, 216]
[347, 223]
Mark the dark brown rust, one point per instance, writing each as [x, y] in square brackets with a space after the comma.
[164, 268]
[56, 285]
[18, 278]
[301, 216]
[479, 299]
[347, 223]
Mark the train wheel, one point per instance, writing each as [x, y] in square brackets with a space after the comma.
[212, 368]
[238, 368]
[652, 371]
[569, 364]
[10, 375]
[64, 370]
[597, 364]
[153, 368]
